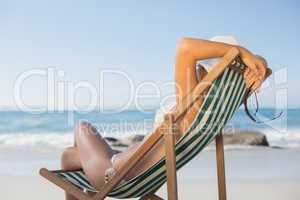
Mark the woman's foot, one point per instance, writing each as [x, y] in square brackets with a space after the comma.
[109, 173]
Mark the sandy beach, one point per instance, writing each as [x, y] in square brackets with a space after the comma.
[16, 187]
[257, 173]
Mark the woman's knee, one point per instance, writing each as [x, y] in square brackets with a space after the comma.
[83, 125]
[84, 129]
[81, 128]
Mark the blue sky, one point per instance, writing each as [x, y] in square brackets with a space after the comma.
[138, 37]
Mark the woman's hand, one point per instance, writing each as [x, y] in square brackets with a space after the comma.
[256, 71]
[251, 79]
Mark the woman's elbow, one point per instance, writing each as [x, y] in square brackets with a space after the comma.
[184, 46]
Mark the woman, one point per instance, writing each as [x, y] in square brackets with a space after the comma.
[91, 152]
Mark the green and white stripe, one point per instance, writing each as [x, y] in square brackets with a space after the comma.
[222, 100]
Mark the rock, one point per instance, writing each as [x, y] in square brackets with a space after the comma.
[127, 141]
[246, 138]
[111, 139]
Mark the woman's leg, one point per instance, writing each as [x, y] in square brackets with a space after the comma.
[70, 161]
[93, 152]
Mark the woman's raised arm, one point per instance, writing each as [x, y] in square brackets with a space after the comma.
[190, 50]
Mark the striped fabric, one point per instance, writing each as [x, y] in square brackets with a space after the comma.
[222, 100]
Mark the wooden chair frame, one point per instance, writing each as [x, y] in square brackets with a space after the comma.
[169, 140]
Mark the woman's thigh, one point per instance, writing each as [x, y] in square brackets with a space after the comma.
[94, 153]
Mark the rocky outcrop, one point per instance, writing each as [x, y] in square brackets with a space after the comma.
[127, 141]
[246, 138]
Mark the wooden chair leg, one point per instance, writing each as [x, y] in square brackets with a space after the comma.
[151, 197]
[220, 166]
[169, 140]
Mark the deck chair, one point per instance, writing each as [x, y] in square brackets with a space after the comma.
[224, 90]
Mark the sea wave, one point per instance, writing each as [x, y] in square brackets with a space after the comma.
[283, 138]
[51, 139]
[35, 139]
[288, 139]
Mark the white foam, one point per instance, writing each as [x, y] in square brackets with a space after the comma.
[283, 138]
[36, 139]
[286, 139]
[50, 139]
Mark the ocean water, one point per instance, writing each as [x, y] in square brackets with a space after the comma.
[23, 129]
